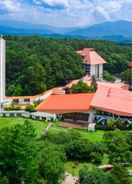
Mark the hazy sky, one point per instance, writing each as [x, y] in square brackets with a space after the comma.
[65, 12]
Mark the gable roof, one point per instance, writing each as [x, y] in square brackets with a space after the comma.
[90, 56]
[113, 99]
[67, 103]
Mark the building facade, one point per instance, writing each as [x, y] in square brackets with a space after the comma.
[93, 62]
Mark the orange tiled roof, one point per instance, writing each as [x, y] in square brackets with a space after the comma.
[90, 56]
[113, 98]
[66, 103]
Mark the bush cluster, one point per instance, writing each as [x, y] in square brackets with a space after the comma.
[113, 124]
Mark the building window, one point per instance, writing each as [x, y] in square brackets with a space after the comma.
[16, 101]
[26, 99]
[98, 71]
[87, 68]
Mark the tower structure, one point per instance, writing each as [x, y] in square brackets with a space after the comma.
[2, 71]
[93, 62]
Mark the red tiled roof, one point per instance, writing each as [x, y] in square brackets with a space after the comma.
[90, 56]
[114, 99]
[60, 104]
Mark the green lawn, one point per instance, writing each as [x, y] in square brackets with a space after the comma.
[40, 126]
[9, 122]
[92, 136]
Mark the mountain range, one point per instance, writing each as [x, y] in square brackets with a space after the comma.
[115, 31]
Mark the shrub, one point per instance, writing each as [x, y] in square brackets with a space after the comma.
[113, 124]
[117, 147]
[108, 77]
[82, 87]
[76, 147]
[63, 137]
[118, 175]
[30, 108]
[94, 176]
[83, 150]
[127, 76]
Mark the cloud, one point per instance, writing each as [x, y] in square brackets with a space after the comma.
[53, 3]
[65, 13]
[10, 5]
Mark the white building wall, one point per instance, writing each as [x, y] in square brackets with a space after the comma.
[93, 70]
[101, 71]
[97, 71]
[2, 69]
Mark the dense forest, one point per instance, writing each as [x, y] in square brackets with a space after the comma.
[35, 64]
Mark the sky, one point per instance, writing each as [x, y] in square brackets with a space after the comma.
[65, 13]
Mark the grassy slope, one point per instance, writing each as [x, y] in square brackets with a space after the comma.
[40, 126]
[71, 167]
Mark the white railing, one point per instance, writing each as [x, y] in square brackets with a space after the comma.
[32, 115]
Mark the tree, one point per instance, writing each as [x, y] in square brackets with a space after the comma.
[118, 147]
[127, 77]
[18, 154]
[119, 175]
[37, 63]
[108, 77]
[51, 166]
[82, 87]
[83, 150]
[94, 176]
[4, 180]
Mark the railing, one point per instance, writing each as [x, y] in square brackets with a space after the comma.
[33, 115]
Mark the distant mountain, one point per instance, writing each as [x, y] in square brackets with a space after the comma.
[120, 31]
[117, 38]
[22, 28]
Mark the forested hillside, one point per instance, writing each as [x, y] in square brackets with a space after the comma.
[117, 56]
[35, 64]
